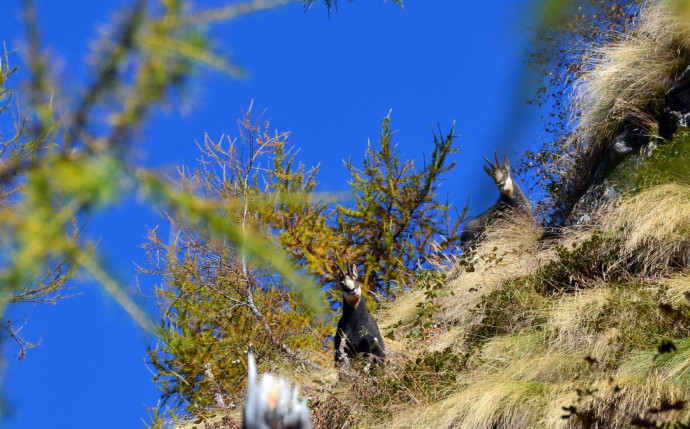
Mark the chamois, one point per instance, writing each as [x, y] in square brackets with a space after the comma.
[357, 331]
[511, 198]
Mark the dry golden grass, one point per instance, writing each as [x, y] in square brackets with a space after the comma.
[499, 404]
[653, 227]
[504, 350]
[402, 310]
[627, 79]
[634, 398]
[507, 400]
[571, 316]
[678, 285]
[510, 249]
[528, 357]
[488, 402]
[514, 234]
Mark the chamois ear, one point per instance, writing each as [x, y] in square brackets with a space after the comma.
[488, 171]
[506, 163]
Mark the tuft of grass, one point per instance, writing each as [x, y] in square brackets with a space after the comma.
[574, 266]
[503, 350]
[626, 79]
[497, 403]
[512, 308]
[510, 249]
[653, 229]
[610, 321]
[669, 367]
[572, 314]
[623, 84]
[505, 405]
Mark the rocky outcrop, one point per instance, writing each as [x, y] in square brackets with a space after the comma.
[677, 101]
[632, 146]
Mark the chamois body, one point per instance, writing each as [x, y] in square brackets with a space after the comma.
[357, 331]
[511, 199]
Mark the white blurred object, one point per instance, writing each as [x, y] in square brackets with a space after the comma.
[272, 403]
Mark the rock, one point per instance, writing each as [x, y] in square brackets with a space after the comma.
[676, 114]
[603, 191]
[626, 143]
[677, 105]
[595, 197]
[678, 96]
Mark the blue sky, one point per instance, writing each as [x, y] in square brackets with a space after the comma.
[327, 81]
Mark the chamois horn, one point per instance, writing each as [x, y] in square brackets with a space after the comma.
[349, 269]
[491, 168]
[340, 269]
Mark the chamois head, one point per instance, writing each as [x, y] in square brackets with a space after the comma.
[501, 175]
[348, 283]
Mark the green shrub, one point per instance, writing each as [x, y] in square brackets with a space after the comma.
[428, 378]
[516, 306]
[574, 267]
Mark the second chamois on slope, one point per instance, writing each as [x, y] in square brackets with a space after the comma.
[357, 331]
[511, 200]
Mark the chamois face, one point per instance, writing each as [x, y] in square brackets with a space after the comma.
[501, 175]
[349, 285]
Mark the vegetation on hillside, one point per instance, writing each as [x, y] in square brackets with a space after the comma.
[215, 305]
[586, 329]
[604, 68]
[589, 330]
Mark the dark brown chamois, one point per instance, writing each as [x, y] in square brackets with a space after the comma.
[511, 199]
[357, 331]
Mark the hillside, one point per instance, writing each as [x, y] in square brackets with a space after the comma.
[587, 328]
[533, 328]
[530, 327]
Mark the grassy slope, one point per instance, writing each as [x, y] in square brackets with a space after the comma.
[515, 335]
[528, 327]
[511, 342]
